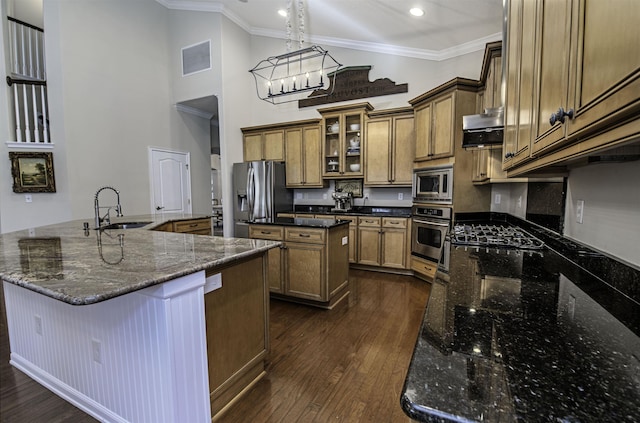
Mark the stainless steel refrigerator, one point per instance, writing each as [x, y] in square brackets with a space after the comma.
[259, 192]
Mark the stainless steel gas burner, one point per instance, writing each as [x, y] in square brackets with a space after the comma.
[494, 236]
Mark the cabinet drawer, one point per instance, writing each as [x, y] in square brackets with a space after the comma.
[394, 222]
[325, 216]
[192, 226]
[424, 267]
[311, 236]
[369, 221]
[266, 232]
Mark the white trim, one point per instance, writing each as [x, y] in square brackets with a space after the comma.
[193, 111]
[30, 145]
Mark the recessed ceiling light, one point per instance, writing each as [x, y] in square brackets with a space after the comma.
[416, 11]
[282, 13]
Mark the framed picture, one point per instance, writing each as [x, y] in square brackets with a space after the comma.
[354, 186]
[32, 172]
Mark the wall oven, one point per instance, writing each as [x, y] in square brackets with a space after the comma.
[429, 228]
[433, 184]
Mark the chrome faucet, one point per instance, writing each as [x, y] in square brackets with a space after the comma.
[96, 205]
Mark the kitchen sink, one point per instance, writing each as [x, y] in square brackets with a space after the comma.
[125, 225]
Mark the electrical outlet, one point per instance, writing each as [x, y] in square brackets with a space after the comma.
[497, 198]
[400, 196]
[324, 196]
[579, 211]
[298, 196]
[38, 322]
[28, 198]
[96, 350]
[520, 202]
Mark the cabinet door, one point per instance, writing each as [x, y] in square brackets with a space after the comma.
[274, 274]
[274, 145]
[312, 156]
[369, 245]
[393, 248]
[480, 165]
[526, 95]
[252, 147]
[553, 79]
[423, 132]
[443, 127]
[378, 152]
[305, 268]
[606, 65]
[294, 157]
[403, 150]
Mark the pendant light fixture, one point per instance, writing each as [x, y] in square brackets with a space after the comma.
[295, 74]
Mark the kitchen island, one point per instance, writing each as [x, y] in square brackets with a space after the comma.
[136, 324]
[512, 335]
[312, 264]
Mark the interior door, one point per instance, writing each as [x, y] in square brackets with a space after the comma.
[170, 181]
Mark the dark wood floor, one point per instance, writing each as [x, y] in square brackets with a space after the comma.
[342, 365]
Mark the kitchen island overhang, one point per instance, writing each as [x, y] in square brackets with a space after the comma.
[129, 341]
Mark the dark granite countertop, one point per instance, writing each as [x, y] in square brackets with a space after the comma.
[80, 267]
[527, 338]
[299, 221]
[356, 211]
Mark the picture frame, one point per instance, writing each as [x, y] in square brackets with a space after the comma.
[32, 171]
[354, 186]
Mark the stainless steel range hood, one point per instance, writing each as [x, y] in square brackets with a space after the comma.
[483, 129]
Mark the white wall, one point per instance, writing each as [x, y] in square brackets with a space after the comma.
[421, 75]
[513, 198]
[611, 219]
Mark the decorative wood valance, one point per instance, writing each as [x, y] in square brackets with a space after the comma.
[352, 83]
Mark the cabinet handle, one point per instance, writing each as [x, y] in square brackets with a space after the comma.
[193, 225]
[265, 232]
[394, 223]
[560, 115]
[304, 235]
[509, 155]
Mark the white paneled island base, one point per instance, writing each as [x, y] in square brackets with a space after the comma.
[140, 357]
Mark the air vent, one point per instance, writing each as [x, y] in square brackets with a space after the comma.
[196, 58]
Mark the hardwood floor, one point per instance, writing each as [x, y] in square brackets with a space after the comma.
[341, 365]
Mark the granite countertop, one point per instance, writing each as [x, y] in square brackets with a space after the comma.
[299, 221]
[356, 211]
[80, 267]
[525, 337]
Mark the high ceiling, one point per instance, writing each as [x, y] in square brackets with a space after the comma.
[448, 27]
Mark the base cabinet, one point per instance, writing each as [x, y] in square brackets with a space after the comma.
[424, 268]
[383, 242]
[311, 266]
[237, 328]
[200, 226]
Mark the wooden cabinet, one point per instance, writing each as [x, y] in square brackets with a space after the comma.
[343, 133]
[573, 86]
[490, 94]
[383, 242]
[424, 268]
[389, 148]
[311, 266]
[238, 313]
[198, 226]
[487, 167]
[438, 119]
[303, 157]
[263, 143]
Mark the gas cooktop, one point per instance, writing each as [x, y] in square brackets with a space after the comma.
[494, 236]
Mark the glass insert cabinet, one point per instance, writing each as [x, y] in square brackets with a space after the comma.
[343, 135]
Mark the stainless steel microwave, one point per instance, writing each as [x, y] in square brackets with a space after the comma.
[433, 184]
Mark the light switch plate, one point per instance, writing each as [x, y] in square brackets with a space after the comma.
[345, 240]
[579, 210]
[497, 199]
[213, 282]
[400, 196]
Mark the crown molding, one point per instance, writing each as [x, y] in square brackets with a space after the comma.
[424, 54]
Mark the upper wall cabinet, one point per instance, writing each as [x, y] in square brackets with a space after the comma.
[263, 143]
[303, 156]
[343, 133]
[586, 80]
[490, 95]
[438, 118]
[389, 148]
